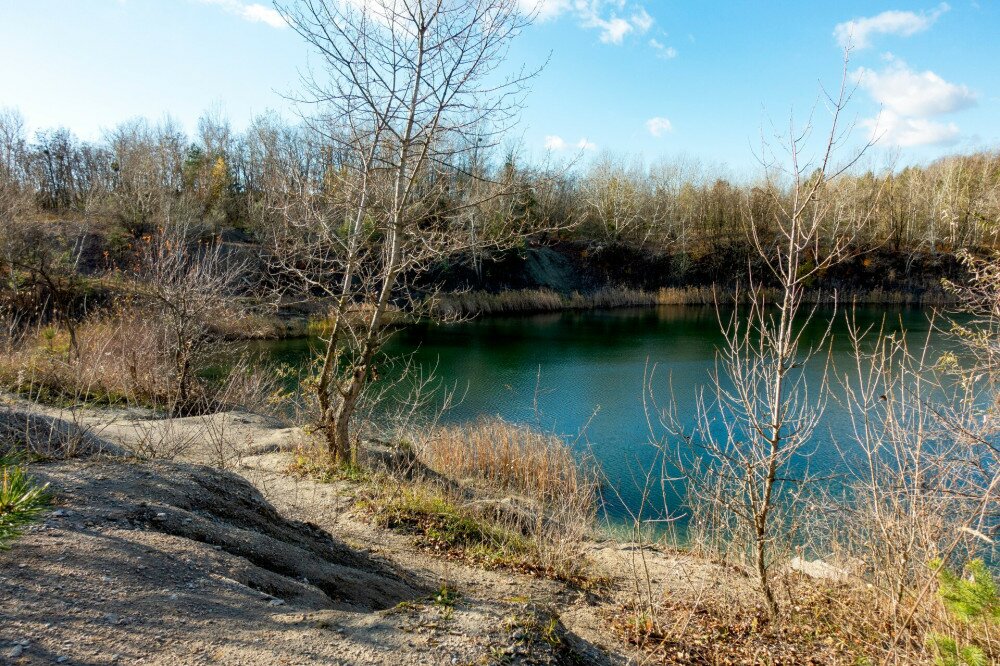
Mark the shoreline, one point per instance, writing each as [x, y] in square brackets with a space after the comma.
[514, 302]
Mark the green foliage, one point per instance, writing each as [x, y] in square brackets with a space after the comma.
[22, 500]
[950, 653]
[970, 599]
[446, 596]
[315, 463]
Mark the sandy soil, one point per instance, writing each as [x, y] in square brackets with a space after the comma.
[181, 563]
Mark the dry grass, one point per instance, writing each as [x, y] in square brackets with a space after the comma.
[491, 493]
[123, 361]
[524, 480]
[117, 363]
[825, 624]
[471, 303]
[510, 458]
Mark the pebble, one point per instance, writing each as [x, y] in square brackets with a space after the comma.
[15, 652]
[276, 602]
[111, 618]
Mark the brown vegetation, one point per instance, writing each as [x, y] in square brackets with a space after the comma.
[476, 303]
[128, 361]
[493, 493]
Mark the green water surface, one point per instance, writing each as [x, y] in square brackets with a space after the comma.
[580, 374]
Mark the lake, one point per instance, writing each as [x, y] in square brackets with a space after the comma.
[580, 374]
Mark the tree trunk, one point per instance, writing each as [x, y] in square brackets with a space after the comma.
[765, 583]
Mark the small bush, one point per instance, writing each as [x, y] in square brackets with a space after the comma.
[975, 603]
[22, 500]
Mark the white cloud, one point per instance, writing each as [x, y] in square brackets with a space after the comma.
[613, 31]
[253, 12]
[557, 144]
[553, 142]
[910, 103]
[606, 16]
[662, 50]
[910, 93]
[641, 20]
[895, 130]
[544, 9]
[659, 126]
[858, 32]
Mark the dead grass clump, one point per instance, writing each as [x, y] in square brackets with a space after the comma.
[522, 479]
[510, 458]
[492, 493]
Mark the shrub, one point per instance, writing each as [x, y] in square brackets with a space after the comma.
[21, 500]
[973, 601]
[125, 360]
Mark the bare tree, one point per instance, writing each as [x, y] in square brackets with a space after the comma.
[742, 451]
[406, 93]
[44, 258]
[13, 163]
[621, 200]
[191, 285]
[923, 465]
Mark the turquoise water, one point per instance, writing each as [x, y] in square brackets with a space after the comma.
[580, 374]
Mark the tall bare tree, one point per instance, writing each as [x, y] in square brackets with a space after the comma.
[407, 91]
[760, 411]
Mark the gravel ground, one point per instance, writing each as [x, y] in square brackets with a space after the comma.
[181, 563]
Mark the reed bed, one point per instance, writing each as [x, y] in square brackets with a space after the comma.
[473, 303]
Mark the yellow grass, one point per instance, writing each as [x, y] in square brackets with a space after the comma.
[471, 303]
[510, 458]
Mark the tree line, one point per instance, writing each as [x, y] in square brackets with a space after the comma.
[143, 176]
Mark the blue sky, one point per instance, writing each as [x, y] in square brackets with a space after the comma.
[655, 78]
